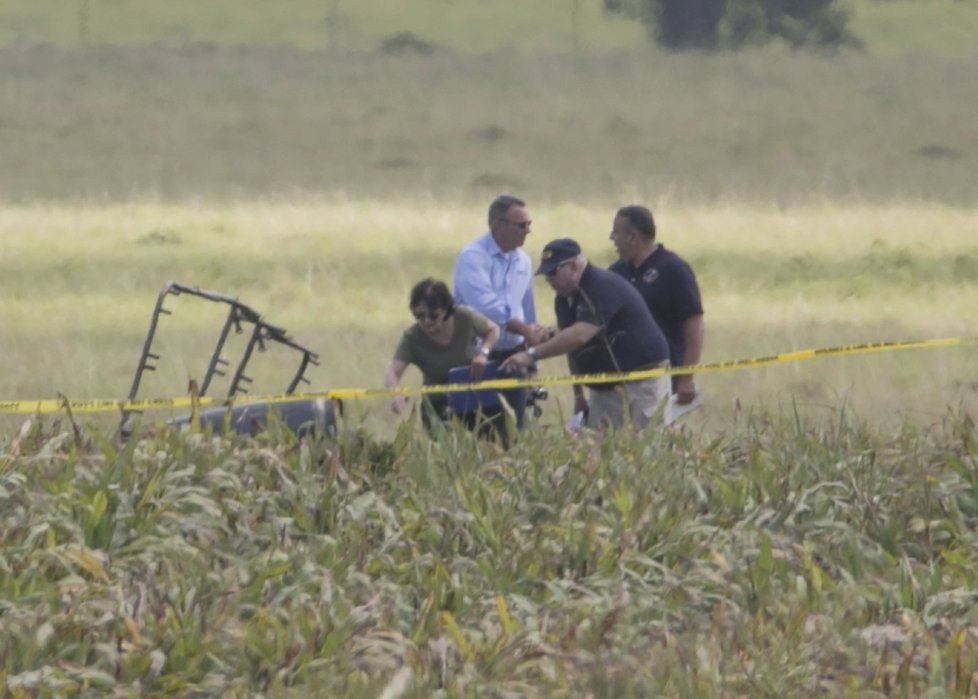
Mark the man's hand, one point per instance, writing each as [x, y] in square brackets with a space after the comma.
[478, 366]
[516, 363]
[537, 334]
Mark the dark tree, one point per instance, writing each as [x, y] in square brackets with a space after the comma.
[710, 24]
[682, 24]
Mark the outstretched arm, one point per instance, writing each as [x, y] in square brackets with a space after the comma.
[567, 340]
[392, 379]
[481, 358]
[528, 327]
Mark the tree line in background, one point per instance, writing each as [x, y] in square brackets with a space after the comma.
[717, 24]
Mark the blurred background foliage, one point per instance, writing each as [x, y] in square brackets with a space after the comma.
[716, 24]
[945, 27]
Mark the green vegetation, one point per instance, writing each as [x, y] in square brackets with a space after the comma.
[200, 124]
[78, 284]
[782, 560]
[915, 28]
[940, 27]
[719, 25]
[201, 101]
[810, 531]
[333, 25]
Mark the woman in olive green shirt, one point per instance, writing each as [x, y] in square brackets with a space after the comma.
[444, 336]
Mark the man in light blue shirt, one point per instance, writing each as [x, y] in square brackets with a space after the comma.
[495, 277]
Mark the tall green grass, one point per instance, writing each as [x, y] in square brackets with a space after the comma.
[785, 559]
[809, 531]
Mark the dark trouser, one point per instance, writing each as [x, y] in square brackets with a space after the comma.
[490, 425]
[434, 409]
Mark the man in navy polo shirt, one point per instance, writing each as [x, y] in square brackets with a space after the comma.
[668, 286]
[604, 327]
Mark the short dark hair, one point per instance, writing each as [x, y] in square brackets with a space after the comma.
[434, 294]
[501, 204]
[639, 218]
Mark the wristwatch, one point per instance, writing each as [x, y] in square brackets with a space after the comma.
[532, 351]
[484, 351]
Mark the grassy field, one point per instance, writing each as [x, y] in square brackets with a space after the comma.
[205, 124]
[810, 531]
[892, 27]
[787, 559]
[334, 25]
[79, 284]
[824, 200]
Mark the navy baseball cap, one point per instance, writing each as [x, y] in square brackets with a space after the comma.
[557, 252]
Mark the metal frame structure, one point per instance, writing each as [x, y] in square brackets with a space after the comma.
[299, 415]
[239, 316]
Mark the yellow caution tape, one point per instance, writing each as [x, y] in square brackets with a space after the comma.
[34, 407]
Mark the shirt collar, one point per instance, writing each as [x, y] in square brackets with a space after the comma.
[648, 259]
[494, 248]
[586, 274]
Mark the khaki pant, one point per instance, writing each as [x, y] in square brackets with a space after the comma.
[607, 408]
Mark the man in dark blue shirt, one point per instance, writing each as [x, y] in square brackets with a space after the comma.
[604, 327]
[668, 286]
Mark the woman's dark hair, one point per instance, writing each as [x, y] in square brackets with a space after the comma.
[434, 294]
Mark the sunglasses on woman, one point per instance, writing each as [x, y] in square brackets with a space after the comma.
[429, 315]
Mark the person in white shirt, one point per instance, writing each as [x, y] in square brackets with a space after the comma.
[494, 276]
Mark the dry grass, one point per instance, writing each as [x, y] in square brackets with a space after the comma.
[79, 283]
[894, 27]
[199, 124]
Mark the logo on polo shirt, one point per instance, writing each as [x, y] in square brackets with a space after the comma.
[650, 275]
